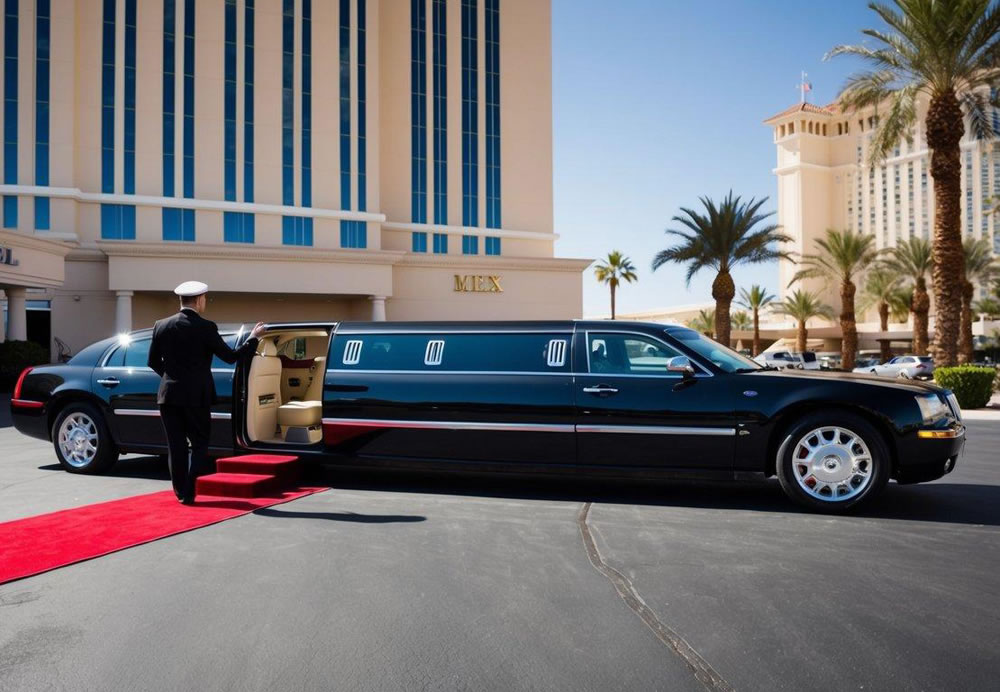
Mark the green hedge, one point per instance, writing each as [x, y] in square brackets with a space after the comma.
[972, 385]
[15, 356]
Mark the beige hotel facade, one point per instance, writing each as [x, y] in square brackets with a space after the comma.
[824, 182]
[308, 159]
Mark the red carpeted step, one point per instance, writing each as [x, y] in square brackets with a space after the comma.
[238, 484]
[285, 467]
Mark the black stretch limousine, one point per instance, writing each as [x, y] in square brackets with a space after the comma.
[602, 398]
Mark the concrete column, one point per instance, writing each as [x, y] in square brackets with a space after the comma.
[17, 319]
[123, 312]
[378, 308]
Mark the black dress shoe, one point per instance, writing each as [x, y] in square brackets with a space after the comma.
[186, 500]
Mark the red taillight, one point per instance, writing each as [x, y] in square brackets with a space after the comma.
[20, 382]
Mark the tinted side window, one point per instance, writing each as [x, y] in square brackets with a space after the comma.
[217, 364]
[514, 352]
[116, 359]
[137, 354]
[628, 354]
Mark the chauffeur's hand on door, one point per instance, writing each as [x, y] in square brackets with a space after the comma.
[257, 330]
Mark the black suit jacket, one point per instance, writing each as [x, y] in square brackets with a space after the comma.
[181, 354]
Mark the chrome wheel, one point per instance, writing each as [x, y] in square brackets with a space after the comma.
[78, 439]
[832, 464]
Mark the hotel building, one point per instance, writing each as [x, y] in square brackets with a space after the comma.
[308, 159]
[824, 182]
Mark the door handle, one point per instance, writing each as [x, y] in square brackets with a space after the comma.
[600, 389]
[110, 382]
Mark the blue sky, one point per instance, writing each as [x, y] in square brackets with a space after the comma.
[658, 102]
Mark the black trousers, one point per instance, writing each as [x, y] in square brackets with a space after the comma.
[185, 424]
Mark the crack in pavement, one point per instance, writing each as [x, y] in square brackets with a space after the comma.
[701, 668]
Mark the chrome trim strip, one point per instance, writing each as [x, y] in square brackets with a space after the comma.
[349, 331]
[152, 413]
[528, 427]
[656, 430]
[450, 425]
[547, 373]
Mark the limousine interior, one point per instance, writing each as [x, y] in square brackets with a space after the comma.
[285, 386]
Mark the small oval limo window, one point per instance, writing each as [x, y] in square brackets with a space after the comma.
[556, 353]
[434, 352]
[352, 352]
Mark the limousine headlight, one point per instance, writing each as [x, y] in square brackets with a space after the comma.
[931, 407]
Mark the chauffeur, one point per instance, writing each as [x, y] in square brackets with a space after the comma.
[181, 354]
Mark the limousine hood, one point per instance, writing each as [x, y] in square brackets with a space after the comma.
[915, 386]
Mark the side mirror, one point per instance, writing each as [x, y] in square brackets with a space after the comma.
[681, 364]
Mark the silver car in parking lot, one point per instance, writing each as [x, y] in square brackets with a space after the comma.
[907, 367]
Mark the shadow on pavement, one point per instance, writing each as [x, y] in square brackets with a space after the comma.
[350, 517]
[5, 421]
[955, 503]
[941, 501]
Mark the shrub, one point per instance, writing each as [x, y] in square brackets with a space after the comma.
[972, 385]
[15, 356]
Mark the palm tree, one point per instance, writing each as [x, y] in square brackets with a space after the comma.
[949, 52]
[612, 271]
[803, 306]
[703, 322]
[979, 266]
[842, 256]
[740, 320]
[725, 236]
[987, 306]
[913, 260]
[883, 289]
[755, 300]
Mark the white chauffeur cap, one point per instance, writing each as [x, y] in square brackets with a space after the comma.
[190, 289]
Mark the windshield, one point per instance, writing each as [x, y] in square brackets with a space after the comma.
[724, 358]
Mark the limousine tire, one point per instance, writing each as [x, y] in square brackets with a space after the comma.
[82, 440]
[832, 462]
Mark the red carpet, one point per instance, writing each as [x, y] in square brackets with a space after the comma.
[38, 544]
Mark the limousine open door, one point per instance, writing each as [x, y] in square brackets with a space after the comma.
[633, 411]
[278, 394]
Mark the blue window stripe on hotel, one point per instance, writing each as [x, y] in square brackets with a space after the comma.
[128, 107]
[169, 89]
[118, 221]
[492, 30]
[296, 230]
[10, 27]
[345, 104]
[108, 98]
[470, 115]
[306, 103]
[188, 135]
[470, 245]
[419, 241]
[440, 243]
[353, 234]
[248, 111]
[287, 101]
[492, 246]
[418, 112]
[229, 104]
[440, 109]
[42, 36]
[362, 116]
[238, 227]
[178, 224]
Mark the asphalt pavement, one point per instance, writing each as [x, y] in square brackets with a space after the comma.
[389, 582]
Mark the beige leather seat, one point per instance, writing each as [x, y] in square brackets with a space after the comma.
[300, 414]
[264, 392]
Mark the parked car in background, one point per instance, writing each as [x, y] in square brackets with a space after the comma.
[905, 367]
[865, 364]
[789, 359]
[829, 360]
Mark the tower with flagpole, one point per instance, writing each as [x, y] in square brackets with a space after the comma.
[804, 87]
